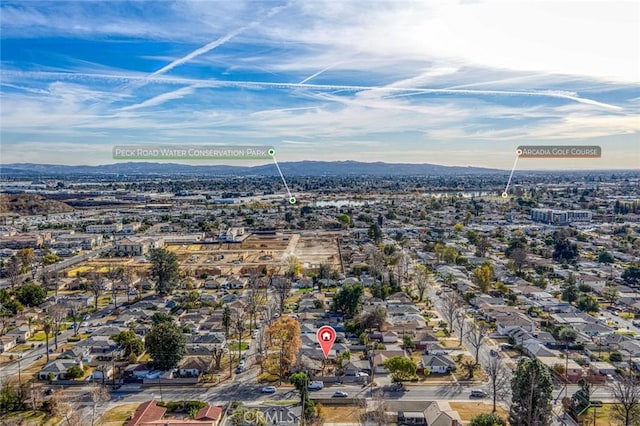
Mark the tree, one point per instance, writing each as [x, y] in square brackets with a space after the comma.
[631, 275]
[531, 390]
[301, 382]
[375, 233]
[498, 380]
[570, 293]
[226, 320]
[26, 256]
[517, 252]
[58, 314]
[166, 344]
[160, 317]
[477, 335]
[587, 304]
[283, 337]
[294, 267]
[95, 286]
[76, 316]
[483, 276]
[564, 250]
[605, 257]
[13, 270]
[611, 294]
[74, 372]
[400, 368]
[282, 287]
[31, 294]
[421, 280]
[349, 299]
[164, 270]
[216, 358]
[375, 318]
[482, 246]
[129, 341]
[626, 392]
[47, 324]
[452, 304]
[488, 419]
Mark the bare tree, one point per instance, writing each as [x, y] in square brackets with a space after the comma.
[282, 286]
[451, 304]
[98, 395]
[477, 335]
[58, 314]
[216, 358]
[626, 392]
[238, 324]
[499, 380]
[115, 274]
[50, 279]
[76, 316]
[96, 285]
[14, 270]
[256, 299]
[127, 279]
[460, 321]
[422, 280]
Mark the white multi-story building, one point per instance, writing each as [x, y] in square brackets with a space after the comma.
[110, 228]
[560, 217]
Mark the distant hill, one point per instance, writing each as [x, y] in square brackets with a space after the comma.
[31, 204]
[300, 168]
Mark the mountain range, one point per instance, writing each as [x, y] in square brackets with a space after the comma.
[299, 168]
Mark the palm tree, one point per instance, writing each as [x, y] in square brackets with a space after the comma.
[47, 324]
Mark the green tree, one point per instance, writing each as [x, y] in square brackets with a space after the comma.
[301, 382]
[565, 251]
[587, 304]
[74, 372]
[631, 275]
[160, 317]
[349, 299]
[375, 233]
[226, 320]
[400, 368]
[31, 295]
[129, 341]
[47, 325]
[611, 294]
[532, 389]
[570, 293]
[488, 419]
[164, 270]
[166, 344]
[605, 257]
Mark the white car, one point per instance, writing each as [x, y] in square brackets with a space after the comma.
[361, 374]
[268, 389]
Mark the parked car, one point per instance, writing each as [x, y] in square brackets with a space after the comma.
[340, 394]
[268, 389]
[239, 369]
[361, 374]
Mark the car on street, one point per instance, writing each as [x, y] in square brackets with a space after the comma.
[340, 394]
[268, 389]
[239, 369]
[478, 393]
[316, 385]
[361, 374]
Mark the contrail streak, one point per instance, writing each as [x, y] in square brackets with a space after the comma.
[216, 43]
[409, 91]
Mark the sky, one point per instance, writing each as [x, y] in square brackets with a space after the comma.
[445, 82]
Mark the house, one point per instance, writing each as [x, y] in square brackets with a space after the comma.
[510, 321]
[150, 414]
[602, 368]
[437, 364]
[7, 342]
[21, 333]
[56, 370]
[427, 413]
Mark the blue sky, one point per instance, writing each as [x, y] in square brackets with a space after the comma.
[444, 82]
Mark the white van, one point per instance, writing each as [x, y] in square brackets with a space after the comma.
[316, 385]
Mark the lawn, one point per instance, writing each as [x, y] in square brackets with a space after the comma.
[604, 415]
[40, 337]
[29, 418]
[117, 415]
[469, 410]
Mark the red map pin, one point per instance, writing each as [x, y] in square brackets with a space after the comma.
[326, 335]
